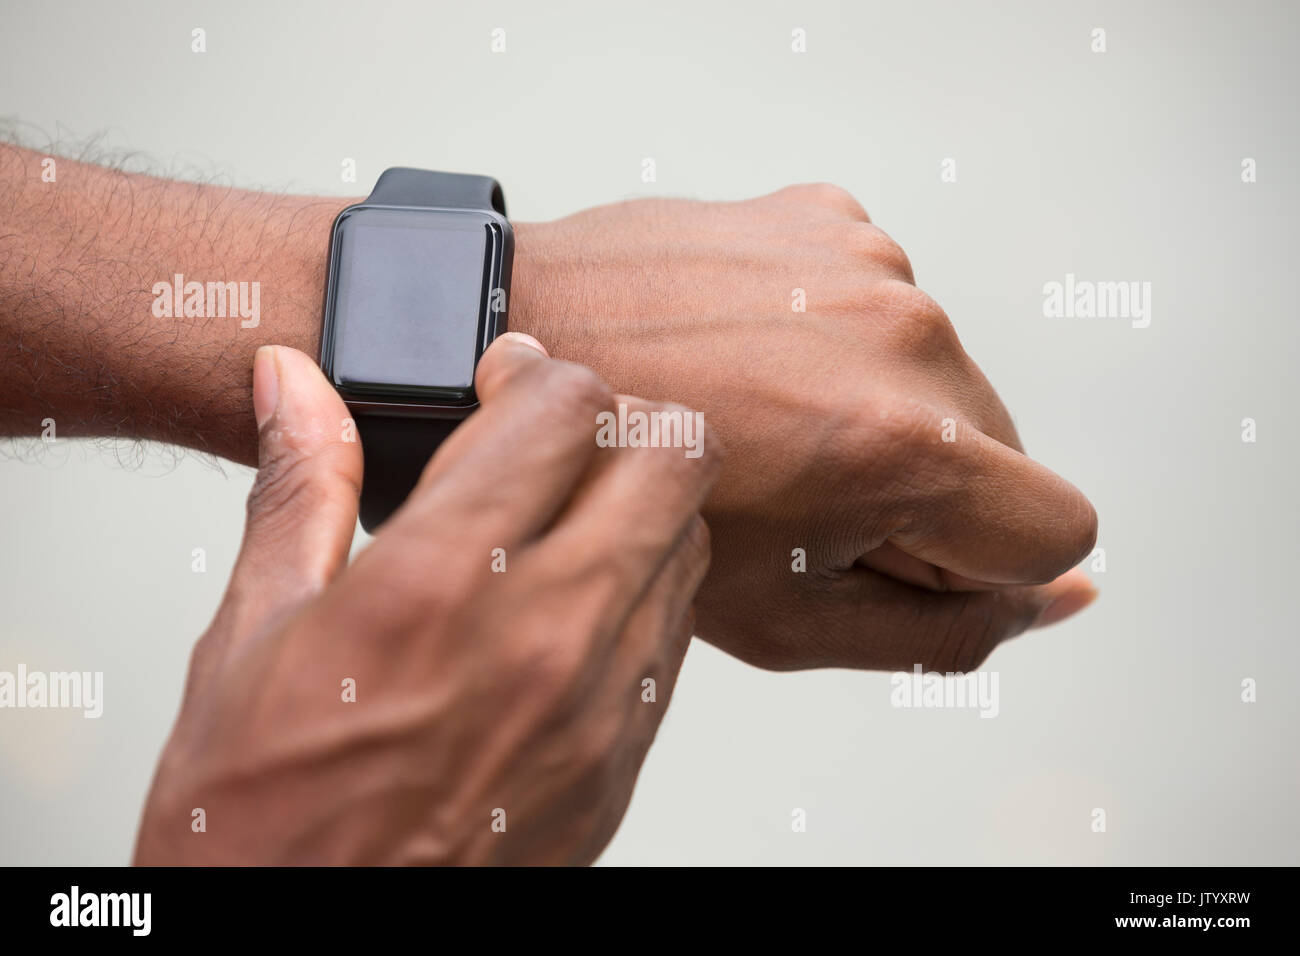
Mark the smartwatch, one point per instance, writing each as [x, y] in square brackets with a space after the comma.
[418, 283]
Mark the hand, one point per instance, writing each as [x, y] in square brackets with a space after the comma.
[477, 691]
[835, 416]
[918, 549]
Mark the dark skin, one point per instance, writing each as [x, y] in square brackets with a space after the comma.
[510, 694]
[919, 549]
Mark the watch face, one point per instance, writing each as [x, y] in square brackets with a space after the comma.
[410, 304]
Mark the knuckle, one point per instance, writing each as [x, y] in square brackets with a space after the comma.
[688, 432]
[448, 594]
[897, 447]
[830, 197]
[575, 391]
[900, 425]
[915, 318]
[606, 572]
[601, 741]
[1084, 526]
[547, 669]
[1088, 538]
[205, 656]
[1064, 540]
[865, 242]
[546, 661]
[402, 597]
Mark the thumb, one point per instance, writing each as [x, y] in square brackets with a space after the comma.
[302, 510]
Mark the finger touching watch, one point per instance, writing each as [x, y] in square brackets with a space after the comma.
[417, 288]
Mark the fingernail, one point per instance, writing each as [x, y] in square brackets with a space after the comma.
[1069, 603]
[266, 384]
[523, 338]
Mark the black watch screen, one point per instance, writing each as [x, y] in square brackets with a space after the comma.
[409, 300]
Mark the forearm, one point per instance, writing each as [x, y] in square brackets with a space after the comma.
[81, 340]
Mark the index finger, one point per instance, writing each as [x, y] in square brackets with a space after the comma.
[505, 473]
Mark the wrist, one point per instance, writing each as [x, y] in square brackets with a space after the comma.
[89, 267]
[282, 244]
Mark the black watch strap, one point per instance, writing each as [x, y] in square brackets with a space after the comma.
[396, 449]
[403, 186]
